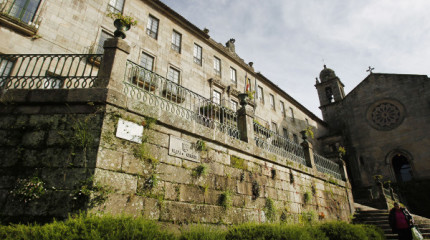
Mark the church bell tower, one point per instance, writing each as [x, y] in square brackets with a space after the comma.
[330, 91]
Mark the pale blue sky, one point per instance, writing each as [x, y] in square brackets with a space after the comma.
[288, 39]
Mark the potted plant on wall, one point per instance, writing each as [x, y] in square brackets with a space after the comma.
[145, 79]
[122, 23]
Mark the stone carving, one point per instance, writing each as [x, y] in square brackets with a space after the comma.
[386, 115]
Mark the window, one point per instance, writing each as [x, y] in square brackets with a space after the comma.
[176, 41]
[274, 127]
[197, 54]
[5, 68]
[285, 133]
[295, 138]
[115, 6]
[24, 10]
[152, 27]
[260, 94]
[98, 49]
[233, 105]
[147, 61]
[282, 106]
[233, 75]
[217, 66]
[173, 75]
[216, 97]
[272, 101]
[292, 113]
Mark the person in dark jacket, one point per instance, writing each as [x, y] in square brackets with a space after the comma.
[401, 222]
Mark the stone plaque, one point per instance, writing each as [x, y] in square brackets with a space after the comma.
[183, 149]
[129, 131]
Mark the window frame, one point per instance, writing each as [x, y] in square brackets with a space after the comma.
[233, 74]
[147, 56]
[174, 46]
[21, 11]
[285, 133]
[272, 101]
[217, 70]
[274, 127]
[233, 105]
[214, 93]
[292, 113]
[174, 70]
[198, 54]
[282, 107]
[114, 9]
[260, 93]
[149, 26]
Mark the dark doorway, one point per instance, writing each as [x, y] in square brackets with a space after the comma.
[402, 168]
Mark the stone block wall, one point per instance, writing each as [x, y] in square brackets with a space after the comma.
[54, 142]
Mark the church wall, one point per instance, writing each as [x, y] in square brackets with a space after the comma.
[372, 143]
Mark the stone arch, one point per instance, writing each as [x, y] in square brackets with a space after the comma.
[401, 165]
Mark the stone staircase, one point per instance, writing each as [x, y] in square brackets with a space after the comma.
[367, 215]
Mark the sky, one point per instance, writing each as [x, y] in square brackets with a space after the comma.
[289, 41]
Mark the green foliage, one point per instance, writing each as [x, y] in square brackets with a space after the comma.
[88, 226]
[250, 94]
[225, 200]
[126, 20]
[270, 210]
[307, 197]
[342, 151]
[307, 218]
[238, 162]
[199, 232]
[201, 146]
[90, 193]
[200, 170]
[28, 189]
[255, 190]
[149, 122]
[152, 181]
[309, 132]
[82, 132]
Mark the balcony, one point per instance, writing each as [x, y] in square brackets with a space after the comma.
[20, 15]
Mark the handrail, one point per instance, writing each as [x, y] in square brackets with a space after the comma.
[48, 71]
[154, 89]
[328, 166]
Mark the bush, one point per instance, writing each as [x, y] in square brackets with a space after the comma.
[201, 232]
[345, 231]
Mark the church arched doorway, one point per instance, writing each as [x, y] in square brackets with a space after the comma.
[402, 168]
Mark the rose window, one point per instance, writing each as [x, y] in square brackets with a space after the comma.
[386, 115]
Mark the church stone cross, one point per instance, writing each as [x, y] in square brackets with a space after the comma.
[370, 69]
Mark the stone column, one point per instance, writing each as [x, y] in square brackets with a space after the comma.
[113, 66]
[245, 122]
[343, 171]
[309, 151]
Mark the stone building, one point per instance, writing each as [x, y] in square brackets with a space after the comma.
[159, 124]
[383, 123]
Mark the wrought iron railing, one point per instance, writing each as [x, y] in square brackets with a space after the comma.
[328, 166]
[387, 193]
[275, 143]
[153, 89]
[48, 71]
[22, 11]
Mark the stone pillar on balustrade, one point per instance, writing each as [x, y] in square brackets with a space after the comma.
[113, 65]
[308, 151]
[245, 119]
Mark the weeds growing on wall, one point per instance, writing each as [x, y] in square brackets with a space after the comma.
[28, 189]
[201, 146]
[307, 197]
[90, 193]
[270, 210]
[255, 190]
[200, 170]
[225, 200]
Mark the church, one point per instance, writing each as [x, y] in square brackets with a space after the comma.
[383, 124]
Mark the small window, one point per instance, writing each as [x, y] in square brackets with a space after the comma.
[173, 75]
[272, 101]
[152, 27]
[197, 54]
[147, 61]
[282, 106]
[5, 68]
[291, 113]
[274, 127]
[116, 6]
[217, 66]
[233, 75]
[98, 49]
[233, 105]
[216, 97]
[176, 41]
[24, 10]
[285, 133]
[295, 138]
[260, 94]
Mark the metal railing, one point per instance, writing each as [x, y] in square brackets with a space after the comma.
[48, 71]
[275, 143]
[155, 90]
[328, 166]
[22, 11]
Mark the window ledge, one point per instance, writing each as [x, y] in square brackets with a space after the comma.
[18, 26]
